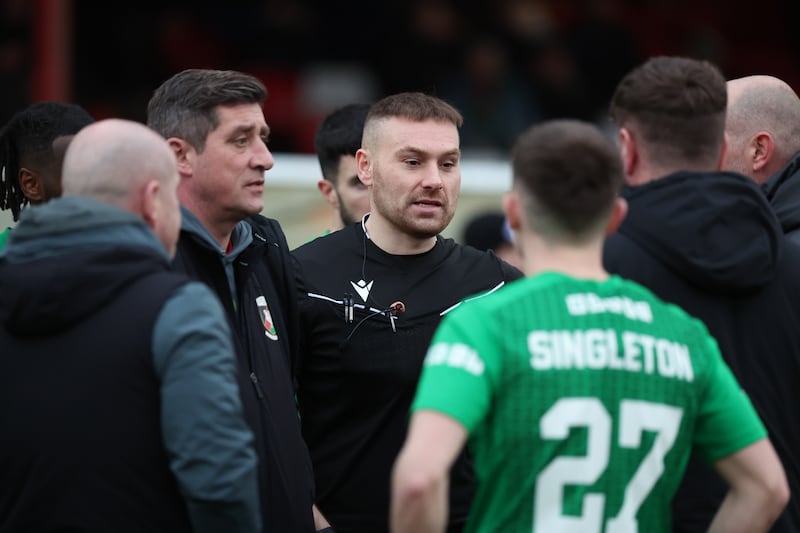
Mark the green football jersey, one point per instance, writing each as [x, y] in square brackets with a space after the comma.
[583, 400]
[4, 237]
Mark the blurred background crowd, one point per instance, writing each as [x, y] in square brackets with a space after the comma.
[504, 64]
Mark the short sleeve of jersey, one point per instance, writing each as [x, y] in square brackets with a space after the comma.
[727, 421]
[456, 376]
[4, 237]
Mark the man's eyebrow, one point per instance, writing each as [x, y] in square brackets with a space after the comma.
[418, 151]
[248, 128]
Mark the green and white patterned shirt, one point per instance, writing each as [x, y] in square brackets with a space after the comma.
[583, 400]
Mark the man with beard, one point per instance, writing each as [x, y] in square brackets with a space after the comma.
[708, 242]
[337, 140]
[371, 296]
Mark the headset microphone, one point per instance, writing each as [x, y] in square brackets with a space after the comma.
[390, 312]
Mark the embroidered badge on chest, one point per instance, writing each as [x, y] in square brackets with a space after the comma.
[362, 288]
[266, 318]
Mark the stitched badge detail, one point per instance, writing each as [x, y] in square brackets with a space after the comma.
[266, 318]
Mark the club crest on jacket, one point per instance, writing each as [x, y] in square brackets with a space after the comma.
[266, 318]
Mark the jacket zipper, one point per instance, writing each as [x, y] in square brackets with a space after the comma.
[257, 385]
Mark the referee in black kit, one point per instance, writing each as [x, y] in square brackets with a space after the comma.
[371, 297]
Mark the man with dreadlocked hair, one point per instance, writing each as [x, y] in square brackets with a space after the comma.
[32, 146]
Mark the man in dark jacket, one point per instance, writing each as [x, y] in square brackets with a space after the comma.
[119, 409]
[709, 242]
[214, 122]
[763, 131]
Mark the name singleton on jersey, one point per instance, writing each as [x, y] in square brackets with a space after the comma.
[590, 349]
[597, 349]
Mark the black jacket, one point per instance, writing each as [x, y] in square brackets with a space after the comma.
[264, 318]
[783, 193]
[711, 244]
[358, 377]
[81, 446]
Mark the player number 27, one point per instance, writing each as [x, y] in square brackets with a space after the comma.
[635, 418]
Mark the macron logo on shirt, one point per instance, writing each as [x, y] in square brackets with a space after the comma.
[362, 288]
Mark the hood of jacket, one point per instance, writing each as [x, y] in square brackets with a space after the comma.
[66, 259]
[783, 193]
[717, 230]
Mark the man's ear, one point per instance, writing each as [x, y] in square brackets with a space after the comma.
[618, 213]
[328, 192]
[723, 152]
[364, 166]
[628, 151]
[149, 203]
[762, 147]
[185, 155]
[30, 183]
[512, 208]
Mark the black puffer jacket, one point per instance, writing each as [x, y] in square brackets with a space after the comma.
[263, 317]
[783, 192]
[711, 244]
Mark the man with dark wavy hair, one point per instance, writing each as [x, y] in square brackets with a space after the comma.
[214, 122]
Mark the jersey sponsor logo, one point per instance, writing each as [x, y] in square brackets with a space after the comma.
[362, 288]
[596, 349]
[266, 318]
[580, 304]
[455, 356]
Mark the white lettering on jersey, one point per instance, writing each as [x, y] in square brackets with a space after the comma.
[579, 304]
[456, 356]
[596, 349]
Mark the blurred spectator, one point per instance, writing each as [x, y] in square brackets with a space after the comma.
[422, 53]
[604, 48]
[557, 81]
[491, 97]
[573, 50]
[15, 56]
[336, 142]
[490, 231]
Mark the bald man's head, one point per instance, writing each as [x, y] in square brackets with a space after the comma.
[128, 165]
[112, 158]
[762, 126]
